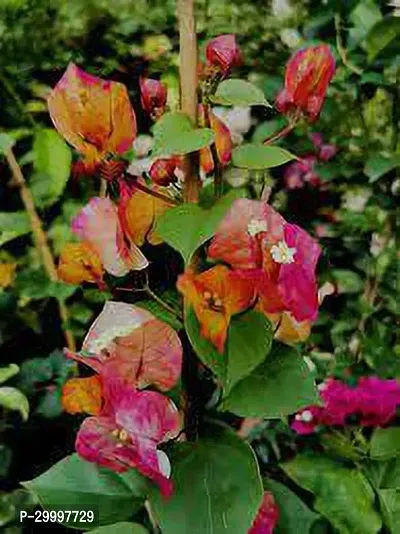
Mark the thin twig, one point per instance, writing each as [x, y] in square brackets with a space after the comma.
[342, 50]
[162, 302]
[282, 133]
[40, 238]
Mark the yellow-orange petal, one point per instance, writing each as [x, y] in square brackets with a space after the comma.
[7, 273]
[78, 263]
[82, 395]
[223, 141]
[289, 331]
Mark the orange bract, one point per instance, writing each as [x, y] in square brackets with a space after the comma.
[7, 272]
[216, 295]
[289, 330]
[94, 115]
[79, 262]
[82, 395]
[223, 142]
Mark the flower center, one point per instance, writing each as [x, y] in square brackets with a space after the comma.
[213, 301]
[256, 226]
[281, 253]
[121, 434]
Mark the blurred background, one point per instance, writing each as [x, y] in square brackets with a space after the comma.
[345, 192]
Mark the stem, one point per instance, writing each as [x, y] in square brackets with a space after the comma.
[188, 83]
[10, 89]
[218, 183]
[153, 193]
[342, 50]
[281, 133]
[152, 519]
[103, 188]
[40, 237]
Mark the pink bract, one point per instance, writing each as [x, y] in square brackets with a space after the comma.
[98, 223]
[223, 52]
[127, 432]
[267, 516]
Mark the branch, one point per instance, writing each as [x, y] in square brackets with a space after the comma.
[151, 192]
[341, 49]
[39, 236]
[188, 82]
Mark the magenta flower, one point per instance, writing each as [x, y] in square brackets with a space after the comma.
[373, 401]
[126, 433]
[267, 516]
[98, 223]
[281, 258]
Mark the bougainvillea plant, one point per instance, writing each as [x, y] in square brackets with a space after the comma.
[173, 382]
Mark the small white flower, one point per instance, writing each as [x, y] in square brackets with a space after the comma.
[307, 416]
[281, 8]
[298, 417]
[140, 166]
[256, 226]
[142, 145]
[281, 253]
[322, 386]
[377, 244]
[356, 200]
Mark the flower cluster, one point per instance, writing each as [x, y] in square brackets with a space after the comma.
[129, 350]
[299, 173]
[271, 263]
[372, 402]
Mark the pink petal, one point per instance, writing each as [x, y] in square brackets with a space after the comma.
[233, 243]
[98, 223]
[267, 516]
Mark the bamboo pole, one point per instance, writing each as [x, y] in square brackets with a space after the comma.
[40, 237]
[188, 86]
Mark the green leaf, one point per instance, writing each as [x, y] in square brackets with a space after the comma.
[188, 226]
[174, 134]
[161, 313]
[6, 142]
[378, 166]
[347, 281]
[13, 224]
[342, 494]
[240, 357]
[390, 505]
[8, 372]
[234, 92]
[120, 528]
[76, 484]
[381, 35]
[294, 516]
[35, 284]
[281, 385]
[267, 128]
[218, 488]
[385, 443]
[52, 164]
[364, 16]
[13, 399]
[254, 156]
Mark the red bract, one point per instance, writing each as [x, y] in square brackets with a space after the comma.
[307, 77]
[98, 224]
[94, 115]
[279, 257]
[162, 171]
[153, 95]
[267, 516]
[128, 342]
[224, 53]
[128, 430]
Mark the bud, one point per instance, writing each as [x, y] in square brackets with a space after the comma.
[162, 172]
[153, 96]
[224, 53]
[307, 77]
[223, 142]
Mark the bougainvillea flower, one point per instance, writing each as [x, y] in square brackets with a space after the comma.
[138, 213]
[129, 342]
[216, 295]
[287, 329]
[372, 402]
[224, 53]
[307, 77]
[127, 433]
[153, 95]
[94, 115]
[7, 273]
[82, 395]
[279, 258]
[223, 142]
[162, 171]
[267, 516]
[79, 262]
[98, 224]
